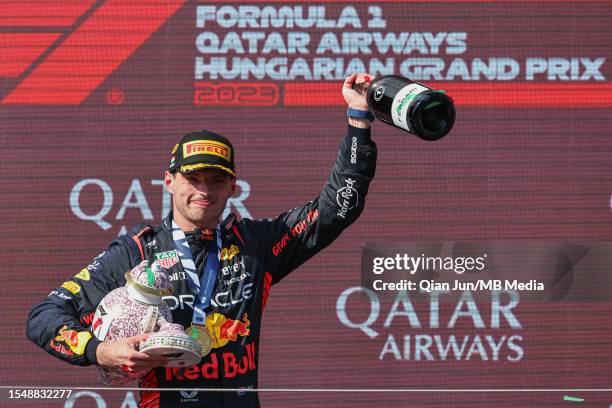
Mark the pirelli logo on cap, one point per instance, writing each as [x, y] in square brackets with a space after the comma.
[206, 147]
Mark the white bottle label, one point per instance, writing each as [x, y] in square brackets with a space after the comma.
[402, 102]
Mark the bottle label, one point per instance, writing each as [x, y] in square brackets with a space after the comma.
[401, 103]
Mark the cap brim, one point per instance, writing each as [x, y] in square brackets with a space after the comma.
[188, 168]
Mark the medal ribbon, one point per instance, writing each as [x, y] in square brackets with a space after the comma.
[200, 287]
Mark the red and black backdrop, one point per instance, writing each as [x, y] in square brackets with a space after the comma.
[93, 95]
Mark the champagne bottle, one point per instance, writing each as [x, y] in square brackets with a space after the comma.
[410, 106]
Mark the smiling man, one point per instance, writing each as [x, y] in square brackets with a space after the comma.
[221, 271]
[201, 179]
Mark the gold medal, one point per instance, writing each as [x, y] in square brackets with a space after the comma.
[200, 334]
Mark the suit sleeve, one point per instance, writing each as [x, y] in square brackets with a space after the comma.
[297, 235]
[60, 323]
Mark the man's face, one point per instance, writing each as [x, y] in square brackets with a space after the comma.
[199, 197]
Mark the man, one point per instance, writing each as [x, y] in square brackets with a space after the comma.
[246, 258]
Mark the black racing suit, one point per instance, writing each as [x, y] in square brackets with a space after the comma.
[255, 255]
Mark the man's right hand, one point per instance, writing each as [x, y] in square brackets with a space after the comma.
[356, 99]
[124, 354]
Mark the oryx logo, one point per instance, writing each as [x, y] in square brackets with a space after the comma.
[379, 92]
[189, 396]
[52, 44]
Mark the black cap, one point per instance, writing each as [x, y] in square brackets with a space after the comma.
[200, 150]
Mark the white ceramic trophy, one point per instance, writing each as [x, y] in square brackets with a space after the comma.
[138, 308]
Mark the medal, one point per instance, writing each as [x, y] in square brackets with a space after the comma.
[200, 334]
[201, 287]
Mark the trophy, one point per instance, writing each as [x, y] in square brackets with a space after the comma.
[138, 308]
[410, 106]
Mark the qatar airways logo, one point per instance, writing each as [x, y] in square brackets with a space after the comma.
[95, 200]
[498, 337]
